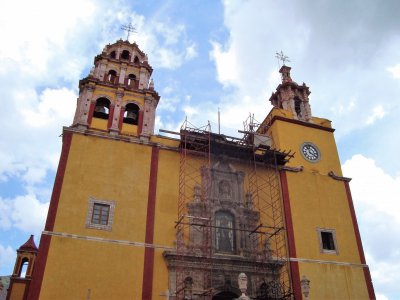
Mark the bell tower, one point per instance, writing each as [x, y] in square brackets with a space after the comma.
[22, 274]
[118, 96]
[292, 97]
[323, 239]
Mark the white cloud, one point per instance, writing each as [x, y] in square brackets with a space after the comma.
[395, 70]
[226, 64]
[378, 112]
[54, 105]
[375, 196]
[26, 213]
[7, 255]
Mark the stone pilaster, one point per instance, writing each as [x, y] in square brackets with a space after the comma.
[82, 109]
[149, 116]
[122, 74]
[117, 112]
[143, 79]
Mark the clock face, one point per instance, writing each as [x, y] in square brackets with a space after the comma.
[310, 152]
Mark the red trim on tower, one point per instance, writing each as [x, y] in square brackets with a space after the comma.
[294, 265]
[140, 122]
[44, 245]
[91, 111]
[306, 124]
[367, 274]
[121, 118]
[38, 270]
[147, 286]
[55, 197]
[110, 116]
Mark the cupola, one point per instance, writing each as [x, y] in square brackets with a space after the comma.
[292, 97]
[118, 96]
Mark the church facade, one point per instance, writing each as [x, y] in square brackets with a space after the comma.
[137, 215]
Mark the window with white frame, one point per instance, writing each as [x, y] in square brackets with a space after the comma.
[100, 214]
[327, 240]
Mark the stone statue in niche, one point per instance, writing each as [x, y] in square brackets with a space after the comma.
[224, 189]
[197, 193]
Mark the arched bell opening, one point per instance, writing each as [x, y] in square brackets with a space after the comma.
[297, 106]
[136, 60]
[23, 267]
[131, 82]
[125, 55]
[113, 54]
[131, 115]
[102, 108]
[111, 76]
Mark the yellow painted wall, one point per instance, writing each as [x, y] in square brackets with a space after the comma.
[110, 271]
[129, 129]
[105, 170]
[116, 170]
[98, 123]
[319, 201]
[18, 291]
[335, 282]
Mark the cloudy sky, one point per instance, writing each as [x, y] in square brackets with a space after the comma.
[205, 55]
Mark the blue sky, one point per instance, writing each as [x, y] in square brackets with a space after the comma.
[205, 55]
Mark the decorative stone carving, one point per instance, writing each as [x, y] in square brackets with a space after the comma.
[225, 206]
[292, 97]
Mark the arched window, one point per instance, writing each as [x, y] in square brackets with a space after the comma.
[188, 286]
[131, 115]
[111, 76]
[136, 60]
[297, 106]
[113, 54]
[131, 80]
[102, 108]
[24, 267]
[224, 232]
[125, 55]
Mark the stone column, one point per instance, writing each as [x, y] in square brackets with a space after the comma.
[122, 74]
[83, 105]
[148, 116]
[116, 115]
[143, 79]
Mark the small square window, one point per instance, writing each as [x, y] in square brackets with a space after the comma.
[327, 240]
[100, 214]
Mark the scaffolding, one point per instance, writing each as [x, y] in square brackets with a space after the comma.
[266, 191]
[195, 233]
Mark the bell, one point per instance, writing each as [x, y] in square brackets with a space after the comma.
[100, 108]
[131, 115]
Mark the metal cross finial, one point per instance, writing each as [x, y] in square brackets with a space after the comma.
[280, 56]
[128, 28]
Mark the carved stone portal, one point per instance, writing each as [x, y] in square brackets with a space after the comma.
[215, 253]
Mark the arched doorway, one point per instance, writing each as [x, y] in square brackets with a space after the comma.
[225, 296]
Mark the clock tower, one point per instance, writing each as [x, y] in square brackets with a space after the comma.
[324, 242]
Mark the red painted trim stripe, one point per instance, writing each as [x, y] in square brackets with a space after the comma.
[40, 262]
[147, 286]
[38, 270]
[367, 275]
[91, 111]
[121, 118]
[55, 196]
[302, 123]
[294, 265]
